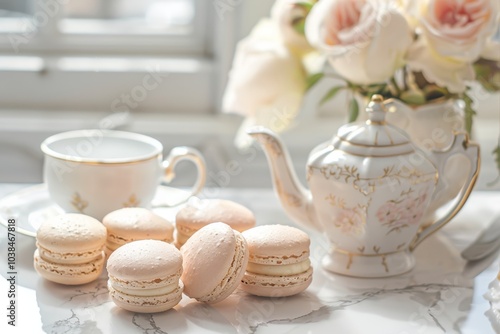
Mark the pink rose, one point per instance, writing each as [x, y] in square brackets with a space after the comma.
[459, 28]
[365, 40]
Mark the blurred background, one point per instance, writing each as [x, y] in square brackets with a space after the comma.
[157, 67]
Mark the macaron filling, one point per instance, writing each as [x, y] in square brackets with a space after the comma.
[122, 284]
[146, 292]
[279, 270]
[114, 241]
[69, 270]
[275, 281]
[70, 257]
[279, 259]
[181, 238]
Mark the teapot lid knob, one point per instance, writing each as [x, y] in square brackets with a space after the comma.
[376, 110]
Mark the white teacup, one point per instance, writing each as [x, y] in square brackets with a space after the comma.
[95, 172]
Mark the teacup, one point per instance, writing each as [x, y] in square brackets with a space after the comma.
[97, 171]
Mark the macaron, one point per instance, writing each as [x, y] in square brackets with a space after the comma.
[70, 249]
[214, 261]
[201, 212]
[144, 276]
[131, 224]
[279, 264]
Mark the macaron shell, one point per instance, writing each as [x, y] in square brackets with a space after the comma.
[130, 224]
[145, 261]
[234, 275]
[152, 304]
[276, 286]
[199, 213]
[71, 233]
[214, 259]
[69, 274]
[277, 244]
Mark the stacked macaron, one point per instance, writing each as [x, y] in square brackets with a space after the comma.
[131, 224]
[144, 276]
[147, 274]
[279, 261]
[70, 249]
[199, 213]
[214, 261]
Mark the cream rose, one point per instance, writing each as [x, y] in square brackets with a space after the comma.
[459, 28]
[492, 47]
[266, 83]
[290, 16]
[365, 40]
[444, 71]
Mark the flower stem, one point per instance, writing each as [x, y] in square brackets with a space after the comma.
[395, 85]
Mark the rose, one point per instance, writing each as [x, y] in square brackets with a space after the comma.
[266, 83]
[458, 29]
[454, 34]
[365, 41]
[491, 49]
[290, 16]
[444, 71]
[410, 9]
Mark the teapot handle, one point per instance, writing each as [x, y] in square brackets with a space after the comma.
[461, 145]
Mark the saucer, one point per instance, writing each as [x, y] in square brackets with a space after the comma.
[31, 206]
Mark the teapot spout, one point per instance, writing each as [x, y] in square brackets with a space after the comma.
[294, 197]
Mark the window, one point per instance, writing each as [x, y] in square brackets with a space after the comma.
[103, 25]
[74, 54]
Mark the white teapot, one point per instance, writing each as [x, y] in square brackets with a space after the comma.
[370, 188]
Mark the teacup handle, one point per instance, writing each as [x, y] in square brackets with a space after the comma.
[461, 145]
[178, 154]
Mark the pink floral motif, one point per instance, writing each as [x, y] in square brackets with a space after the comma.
[349, 222]
[401, 213]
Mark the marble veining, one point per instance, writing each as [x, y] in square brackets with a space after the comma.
[440, 295]
[146, 323]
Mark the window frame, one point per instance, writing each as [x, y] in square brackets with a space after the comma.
[202, 50]
[49, 39]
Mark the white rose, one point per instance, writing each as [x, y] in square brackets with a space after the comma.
[290, 16]
[457, 28]
[266, 83]
[492, 47]
[444, 71]
[365, 40]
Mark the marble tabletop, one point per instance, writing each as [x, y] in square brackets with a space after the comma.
[442, 294]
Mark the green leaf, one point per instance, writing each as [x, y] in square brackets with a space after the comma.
[313, 79]
[469, 112]
[353, 110]
[331, 93]
[299, 25]
[496, 155]
[304, 4]
[487, 74]
[433, 92]
[413, 97]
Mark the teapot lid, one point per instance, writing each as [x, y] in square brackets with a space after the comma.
[374, 137]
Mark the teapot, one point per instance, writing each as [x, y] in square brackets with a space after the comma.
[370, 188]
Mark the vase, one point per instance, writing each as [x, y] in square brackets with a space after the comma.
[431, 127]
